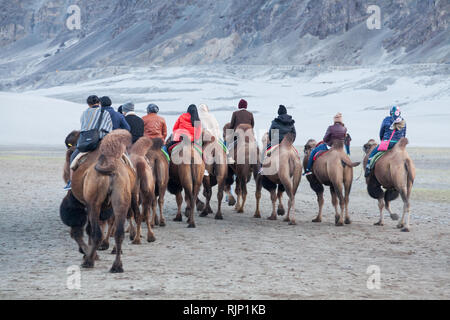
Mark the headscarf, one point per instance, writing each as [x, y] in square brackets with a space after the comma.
[192, 110]
[209, 122]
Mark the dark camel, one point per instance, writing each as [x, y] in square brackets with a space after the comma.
[395, 172]
[186, 172]
[216, 164]
[287, 177]
[101, 181]
[334, 169]
[246, 156]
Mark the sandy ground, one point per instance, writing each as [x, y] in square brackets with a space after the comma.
[237, 258]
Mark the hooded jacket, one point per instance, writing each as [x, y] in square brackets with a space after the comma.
[184, 126]
[209, 122]
[284, 124]
[386, 131]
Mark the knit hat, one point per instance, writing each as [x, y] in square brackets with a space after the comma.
[395, 112]
[242, 104]
[128, 107]
[120, 109]
[152, 108]
[105, 102]
[338, 118]
[282, 110]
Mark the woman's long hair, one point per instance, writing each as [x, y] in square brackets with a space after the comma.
[192, 110]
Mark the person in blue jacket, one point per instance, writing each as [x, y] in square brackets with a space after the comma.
[390, 123]
[118, 119]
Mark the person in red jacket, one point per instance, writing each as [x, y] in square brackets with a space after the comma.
[188, 124]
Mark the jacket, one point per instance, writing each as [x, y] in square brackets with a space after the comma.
[90, 117]
[118, 119]
[184, 126]
[209, 122]
[136, 125]
[284, 124]
[386, 131]
[155, 126]
[335, 132]
[240, 117]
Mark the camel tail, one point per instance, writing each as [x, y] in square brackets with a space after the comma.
[346, 160]
[140, 170]
[112, 147]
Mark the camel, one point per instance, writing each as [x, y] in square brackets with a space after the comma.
[216, 164]
[395, 172]
[158, 162]
[287, 177]
[186, 172]
[145, 182]
[334, 169]
[102, 181]
[245, 155]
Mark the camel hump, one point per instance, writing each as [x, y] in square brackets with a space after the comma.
[244, 127]
[141, 146]
[402, 143]
[112, 147]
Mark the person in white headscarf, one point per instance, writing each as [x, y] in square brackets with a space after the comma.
[209, 122]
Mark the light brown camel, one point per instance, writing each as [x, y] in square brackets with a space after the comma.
[333, 169]
[145, 183]
[102, 181]
[282, 168]
[186, 172]
[245, 153]
[158, 162]
[215, 159]
[395, 172]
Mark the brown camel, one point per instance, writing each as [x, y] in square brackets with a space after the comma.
[158, 162]
[145, 183]
[334, 169]
[287, 177]
[216, 164]
[186, 172]
[246, 156]
[102, 181]
[395, 172]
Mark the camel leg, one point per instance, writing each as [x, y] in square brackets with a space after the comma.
[258, 197]
[348, 187]
[77, 234]
[220, 187]
[179, 199]
[243, 195]
[273, 197]
[281, 210]
[105, 243]
[138, 220]
[162, 220]
[207, 192]
[118, 237]
[150, 234]
[238, 194]
[338, 218]
[380, 206]
[394, 216]
[95, 236]
[291, 210]
[405, 227]
[320, 201]
[231, 199]
[131, 228]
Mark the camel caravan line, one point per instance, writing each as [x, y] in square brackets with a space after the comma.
[121, 182]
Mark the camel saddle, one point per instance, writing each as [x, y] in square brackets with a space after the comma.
[375, 158]
[82, 156]
[319, 154]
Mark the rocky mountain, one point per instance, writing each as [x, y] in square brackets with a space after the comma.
[35, 40]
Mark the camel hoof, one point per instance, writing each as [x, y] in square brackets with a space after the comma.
[218, 217]
[191, 225]
[103, 246]
[348, 221]
[405, 229]
[203, 214]
[186, 212]
[272, 218]
[162, 223]
[231, 202]
[80, 250]
[178, 218]
[136, 241]
[114, 251]
[317, 220]
[257, 216]
[241, 210]
[379, 223]
[281, 211]
[200, 206]
[339, 224]
[209, 210]
[87, 264]
[132, 234]
[292, 223]
[394, 216]
[116, 268]
[286, 219]
[400, 225]
[151, 238]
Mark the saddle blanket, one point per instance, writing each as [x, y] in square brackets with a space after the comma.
[375, 158]
[319, 154]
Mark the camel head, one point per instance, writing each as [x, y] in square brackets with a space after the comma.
[310, 144]
[72, 139]
[369, 145]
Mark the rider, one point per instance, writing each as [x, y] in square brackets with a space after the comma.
[154, 125]
[187, 124]
[134, 121]
[389, 124]
[242, 116]
[89, 121]
[118, 119]
[335, 132]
